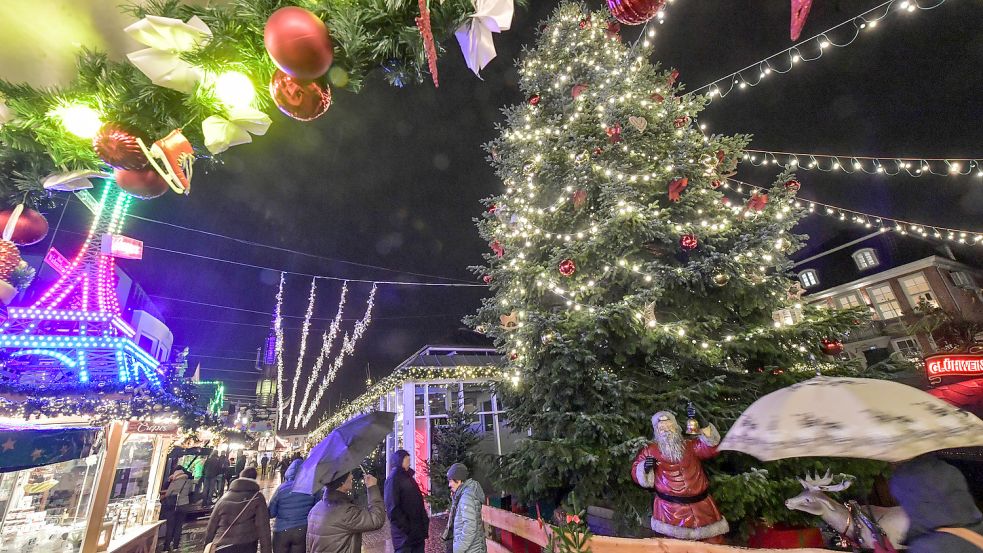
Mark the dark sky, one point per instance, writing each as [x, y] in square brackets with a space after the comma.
[392, 177]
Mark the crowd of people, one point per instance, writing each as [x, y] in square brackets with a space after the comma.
[292, 521]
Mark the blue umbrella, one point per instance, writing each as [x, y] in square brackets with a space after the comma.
[343, 450]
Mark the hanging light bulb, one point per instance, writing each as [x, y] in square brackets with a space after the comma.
[79, 119]
[234, 89]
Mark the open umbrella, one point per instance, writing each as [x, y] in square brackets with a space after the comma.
[851, 417]
[343, 450]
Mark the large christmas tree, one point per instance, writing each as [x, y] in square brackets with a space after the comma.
[630, 275]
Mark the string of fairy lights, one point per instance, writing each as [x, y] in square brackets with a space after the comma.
[889, 166]
[812, 48]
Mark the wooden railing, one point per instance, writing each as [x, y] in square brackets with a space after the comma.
[531, 530]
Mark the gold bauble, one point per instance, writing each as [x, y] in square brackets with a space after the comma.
[721, 279]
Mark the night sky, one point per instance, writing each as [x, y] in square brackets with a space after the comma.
[392, 177]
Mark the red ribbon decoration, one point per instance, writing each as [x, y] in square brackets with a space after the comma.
[423, 23]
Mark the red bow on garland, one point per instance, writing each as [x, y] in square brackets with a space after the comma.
[676, 187]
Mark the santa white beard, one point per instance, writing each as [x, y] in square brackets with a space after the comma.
[670, 444]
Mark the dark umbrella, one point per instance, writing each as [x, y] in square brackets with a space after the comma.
[343, 450]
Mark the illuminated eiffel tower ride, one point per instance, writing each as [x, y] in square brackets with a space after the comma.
[74, 333]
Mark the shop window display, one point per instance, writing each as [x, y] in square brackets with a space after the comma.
[129, 501]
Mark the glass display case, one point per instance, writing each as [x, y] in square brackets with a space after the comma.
[46, 509]
[133, 500]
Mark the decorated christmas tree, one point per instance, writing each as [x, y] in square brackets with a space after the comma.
[632, 275]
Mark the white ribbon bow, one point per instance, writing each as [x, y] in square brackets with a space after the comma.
[222, 133]
[167, 38]
[6, 113]
[72, 181]
[475, 36]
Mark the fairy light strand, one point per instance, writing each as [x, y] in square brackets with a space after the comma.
[305, 331]
[810, 49]
[278, 348]
[327, 342]
[890, 166]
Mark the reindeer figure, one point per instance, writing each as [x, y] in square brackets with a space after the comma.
[814, 500]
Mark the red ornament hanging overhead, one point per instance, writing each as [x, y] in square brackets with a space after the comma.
[676, 187]
[830, 346]
[426, 32]
[534, 100]
[635, 12]
[145, 184]
[119, 147]
[299, 43]
[688, 242]
[302, 100]
[757, 202]
[30, 227]
[800, 11]
[614, 133]
[567, 267]
[792, 185]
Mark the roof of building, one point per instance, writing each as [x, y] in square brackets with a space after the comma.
[834, 263]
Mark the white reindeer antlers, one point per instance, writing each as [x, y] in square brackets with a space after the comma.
[825, 484]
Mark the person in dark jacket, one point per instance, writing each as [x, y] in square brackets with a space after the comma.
[175, 504]
[283, 465]
[290, 510]
[465, 528]
[408, 519]
[240, 464]
[935, 496]
[214, 471]
[241, 519]
[336, 524]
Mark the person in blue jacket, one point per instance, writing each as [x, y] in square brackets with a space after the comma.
[290, 510]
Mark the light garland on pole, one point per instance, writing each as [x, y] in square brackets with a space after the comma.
[327, 342]
[278, 331]
[890, 166]
[304, 332]
[810, 49]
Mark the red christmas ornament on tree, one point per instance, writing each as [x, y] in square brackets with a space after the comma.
[715, 184]
[676, 187]
[680, 121]
[534, 100]
[757, 202]
[119, 148]
[492, 209]
[688, 242]
[302, 100]
[579, 198]
[585, 22]
[145, 184]
[720, 156]
[613, 30]
[299, 43]
[614, 133]
[30, 227]
[673, 75]
[497, 248]
[656, 97]
[577, 90]
[598, 151]
[792, 185]
[830, 346]
[567, 267]
[487, 279]
[635, 12]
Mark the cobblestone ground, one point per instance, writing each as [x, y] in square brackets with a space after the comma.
[193, 536]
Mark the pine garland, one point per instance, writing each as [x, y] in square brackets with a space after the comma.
[367, 34]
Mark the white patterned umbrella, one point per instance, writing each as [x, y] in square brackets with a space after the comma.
[851, 417]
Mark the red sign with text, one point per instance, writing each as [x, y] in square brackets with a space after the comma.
[938, 366]
[57, 261]
[121, 246]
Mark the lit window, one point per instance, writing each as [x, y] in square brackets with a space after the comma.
[865, 258]
[918, 290]
[885, 302]
[809, 278]
[849, 301]
[908, 347]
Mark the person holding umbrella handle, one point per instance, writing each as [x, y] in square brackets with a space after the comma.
[336, 524]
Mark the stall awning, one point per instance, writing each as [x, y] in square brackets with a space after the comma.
[967, 394]
[23, 447]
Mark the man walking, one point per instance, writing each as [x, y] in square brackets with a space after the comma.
[465, 532]
[408, 518]
[263, 463]
[335, 525]
[213, 473]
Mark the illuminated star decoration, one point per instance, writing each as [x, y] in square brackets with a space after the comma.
[9, 444]
[800, 11]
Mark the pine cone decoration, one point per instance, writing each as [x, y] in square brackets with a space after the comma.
[118, 147]
[9, 259]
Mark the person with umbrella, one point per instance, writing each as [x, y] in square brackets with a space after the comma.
[408, 519]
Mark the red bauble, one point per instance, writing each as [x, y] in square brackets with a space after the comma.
[792, 185]
[635, 12]
[497, 248]
[487, 279]
[302, 100]
[577, 90]
[492, 209]
[598, 151]
[567, 267]
[579, 198]
[688, 242]
[680, 121]
[614, 133]
[757, 202]
[145, 184]
[31, 227]
[585, 22]
[534, 100]
[119, 148]
[715, 184]
[299, 43]
[656, 97]
[831, 346]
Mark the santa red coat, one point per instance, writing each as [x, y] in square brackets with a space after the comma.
[682, 509]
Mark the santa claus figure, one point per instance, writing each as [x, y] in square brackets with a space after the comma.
[671, 465]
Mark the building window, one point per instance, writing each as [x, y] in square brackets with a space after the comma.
[908, 347]
[865, 259]
[918, 290]
[849, 301]
[962, 279]
[809, 278]
[885, 302]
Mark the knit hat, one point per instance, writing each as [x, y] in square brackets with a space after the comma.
[458, 471]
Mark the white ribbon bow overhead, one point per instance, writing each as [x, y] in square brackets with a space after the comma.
[222, 133]
[72, 181]
[475, 36]
[167, 38]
